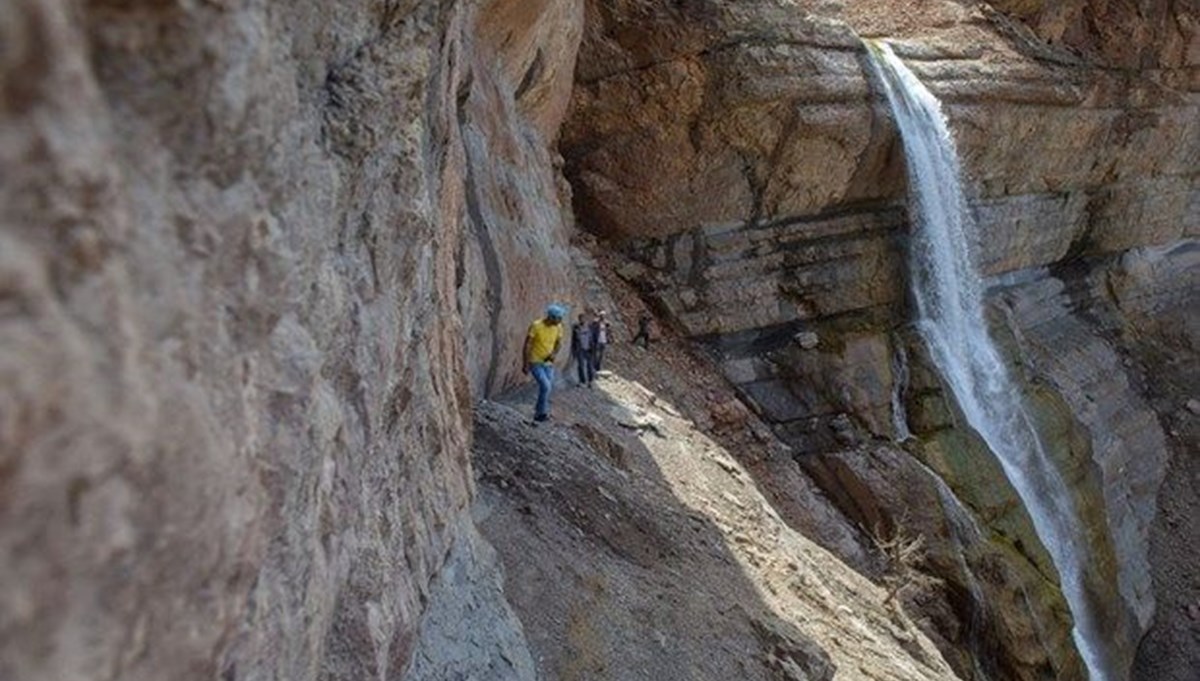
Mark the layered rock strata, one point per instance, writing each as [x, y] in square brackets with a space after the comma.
[757, 189]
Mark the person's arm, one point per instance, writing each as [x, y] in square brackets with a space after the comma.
[557, 345]
[525, 353]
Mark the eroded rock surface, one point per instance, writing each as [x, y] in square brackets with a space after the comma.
[242, 246]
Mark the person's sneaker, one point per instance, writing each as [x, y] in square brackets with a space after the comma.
[540, 418]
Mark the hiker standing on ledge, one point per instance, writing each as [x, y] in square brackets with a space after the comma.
[600, 330]
[643, 333]
[541, 346]
[582, 346]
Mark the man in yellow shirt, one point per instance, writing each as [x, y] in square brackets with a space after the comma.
[541, 346]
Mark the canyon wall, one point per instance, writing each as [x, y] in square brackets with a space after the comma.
[257, 259]
[742, 159]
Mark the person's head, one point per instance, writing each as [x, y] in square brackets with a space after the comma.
[582, 318]
[555, 313]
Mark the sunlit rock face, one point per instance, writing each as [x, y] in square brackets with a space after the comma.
[256, 260]
[740, 156]
[1121, 33]
[701, 121]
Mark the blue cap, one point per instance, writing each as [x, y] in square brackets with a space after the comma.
[556, 311]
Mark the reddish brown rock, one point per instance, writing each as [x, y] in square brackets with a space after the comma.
[1122, 33]
[255, 261]
[730, 414]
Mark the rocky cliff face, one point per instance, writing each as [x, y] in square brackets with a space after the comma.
[257, 261]
[242, 246]
[757, 188]
[1146, 36]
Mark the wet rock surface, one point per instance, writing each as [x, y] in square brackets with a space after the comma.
[1145, 305]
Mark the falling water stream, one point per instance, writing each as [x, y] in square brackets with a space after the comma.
[949, 297]
[900, 380]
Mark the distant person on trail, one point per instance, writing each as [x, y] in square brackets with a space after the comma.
[600, 330]
[542, 342]
[643, 333]
[582, 346]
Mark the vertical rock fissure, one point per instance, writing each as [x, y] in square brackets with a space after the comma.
[949, 296]
[487, 250]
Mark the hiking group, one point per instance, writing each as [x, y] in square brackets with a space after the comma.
[590, 336]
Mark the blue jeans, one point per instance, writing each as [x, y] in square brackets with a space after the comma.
[544, 375]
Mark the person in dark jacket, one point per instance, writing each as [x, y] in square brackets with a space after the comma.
[581, 350]
[601, 330]
[643, 333]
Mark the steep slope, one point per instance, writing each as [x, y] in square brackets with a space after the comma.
[638, 547]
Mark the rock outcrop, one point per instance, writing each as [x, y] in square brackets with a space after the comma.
[1157, 36]
[242, 246]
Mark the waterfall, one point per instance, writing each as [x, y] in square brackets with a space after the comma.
[899, 385]
[949, 300]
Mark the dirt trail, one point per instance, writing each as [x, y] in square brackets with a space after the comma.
[636, 546]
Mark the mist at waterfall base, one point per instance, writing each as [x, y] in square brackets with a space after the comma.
[949, 300]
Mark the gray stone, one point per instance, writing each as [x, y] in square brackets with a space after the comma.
[844, 430]
[688, 298]
[807, 340]
[631, 271]
[469, 631]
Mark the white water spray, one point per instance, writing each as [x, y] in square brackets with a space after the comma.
[949, 298]
[900, 380]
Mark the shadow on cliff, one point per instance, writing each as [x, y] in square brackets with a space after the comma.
[612, 575]
[636, 547]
